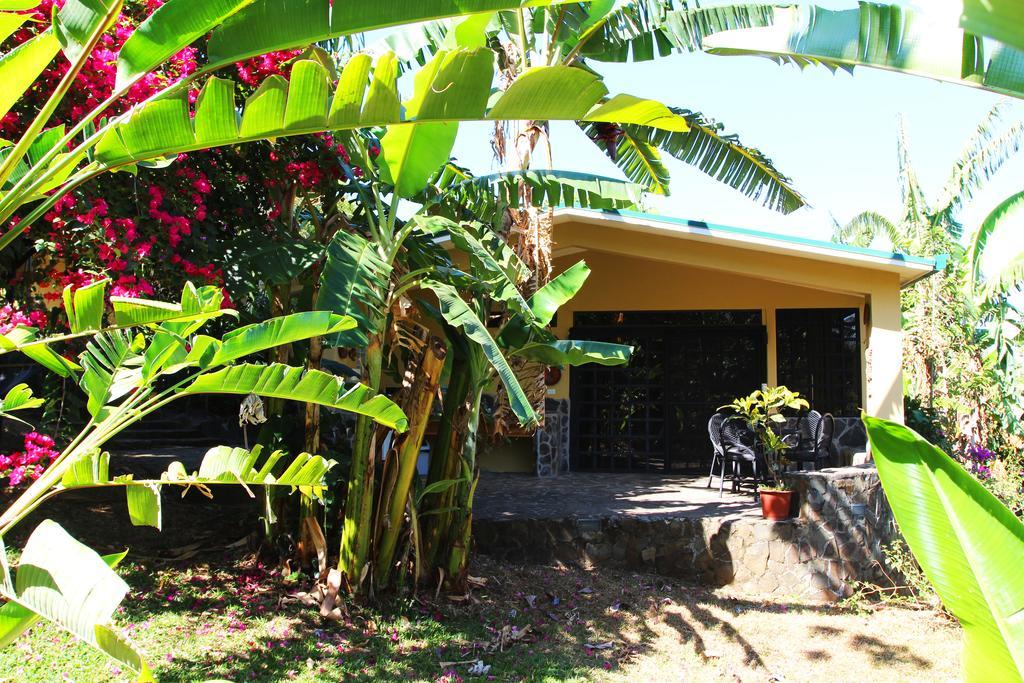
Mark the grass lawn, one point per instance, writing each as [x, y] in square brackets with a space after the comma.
[235, 620]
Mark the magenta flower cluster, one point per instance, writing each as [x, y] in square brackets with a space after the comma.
[12, 316]
[979, 461]
[28, 464]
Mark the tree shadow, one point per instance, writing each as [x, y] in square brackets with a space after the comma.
[882, 652]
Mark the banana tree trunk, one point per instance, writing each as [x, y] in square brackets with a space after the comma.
[309, 509]
[462, 522]
[274, 500]
[394, 501]
[357, 529]
[316, 354]
[444, 461]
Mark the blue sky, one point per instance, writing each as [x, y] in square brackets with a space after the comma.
[833, 134]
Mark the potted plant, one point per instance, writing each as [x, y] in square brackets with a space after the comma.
[762, 410]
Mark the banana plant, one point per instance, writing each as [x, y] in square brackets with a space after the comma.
[127, 374]
[65, 582]
[967, 542]
[376, 259]
[47, 163]
[479, 359]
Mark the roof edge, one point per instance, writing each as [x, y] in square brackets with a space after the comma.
[923, 266]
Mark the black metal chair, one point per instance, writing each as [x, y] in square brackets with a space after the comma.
[739, 448]
[815, 433]
[714, 432]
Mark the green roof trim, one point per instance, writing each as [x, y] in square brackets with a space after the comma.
[936, 264]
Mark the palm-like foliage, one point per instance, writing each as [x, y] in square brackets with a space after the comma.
[932, 227]
[959, 355]
[966, 542]
[581, 34]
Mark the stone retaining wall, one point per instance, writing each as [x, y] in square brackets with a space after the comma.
[844, 520]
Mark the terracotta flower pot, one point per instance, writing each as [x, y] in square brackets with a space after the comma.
[775, 505]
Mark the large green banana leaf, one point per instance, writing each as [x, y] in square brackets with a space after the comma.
[278, 332]
[22, 65]
[546, 301]
[167, 126]
[354, 282]
[221, 465]
[646, 29]
[107, 375]
[969, 545]
[295, 384]
[1006, 215]
[918, 42]
[493, 263]
[481, 195]
[572, 352]
[705, 146]
[9, 23]
[84, 306]
[638, 30]
[412, 153]
[65, 582]
[459, 315]
[269, 25]
[173, 26]
[197, 305]
[25, 340]
[999, 19]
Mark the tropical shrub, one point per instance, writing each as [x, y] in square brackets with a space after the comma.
[127, 376]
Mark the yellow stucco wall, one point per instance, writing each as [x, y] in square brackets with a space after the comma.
[653, 272]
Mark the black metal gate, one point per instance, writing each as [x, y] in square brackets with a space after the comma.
[652, 414]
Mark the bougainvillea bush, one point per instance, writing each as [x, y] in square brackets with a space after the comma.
[151, 231]
[24, 466]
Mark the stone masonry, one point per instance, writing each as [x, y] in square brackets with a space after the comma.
[837, 537]
[552, 440]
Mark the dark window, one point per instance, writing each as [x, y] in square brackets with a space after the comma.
[818, 354]
[652, 414]
[665, 318]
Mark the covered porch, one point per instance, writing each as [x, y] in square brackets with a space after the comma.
[712, 312]
[593, 495]
[675, 526]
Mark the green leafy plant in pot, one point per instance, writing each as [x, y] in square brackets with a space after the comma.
[762, 410]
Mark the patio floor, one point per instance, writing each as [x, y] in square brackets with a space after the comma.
[505, 496]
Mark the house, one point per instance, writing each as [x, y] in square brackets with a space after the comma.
[713, 312]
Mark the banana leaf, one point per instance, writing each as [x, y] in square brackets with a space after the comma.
[67, 583]
[563, 352]
[167, 126]
[354, 283]
[891, 37]
[221, 465]
[969, 545]
[295, 384]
